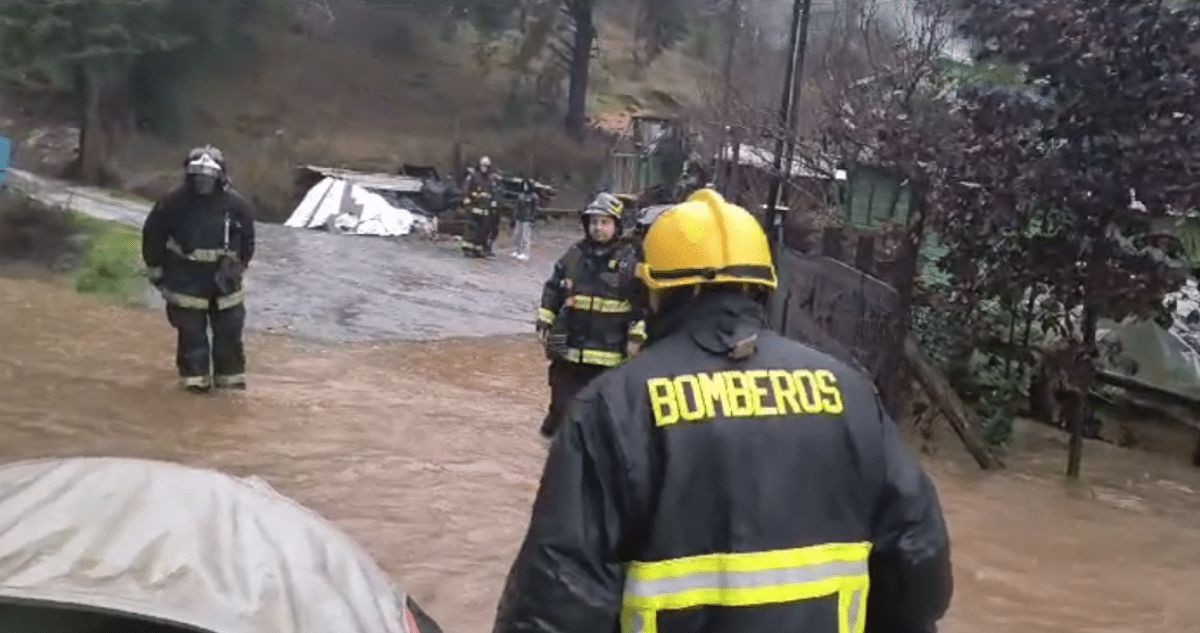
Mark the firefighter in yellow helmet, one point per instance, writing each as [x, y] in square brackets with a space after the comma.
[589, 319]
[727, 478]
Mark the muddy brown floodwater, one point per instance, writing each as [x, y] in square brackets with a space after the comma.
[428, 454]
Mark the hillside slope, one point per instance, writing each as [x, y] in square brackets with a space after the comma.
[338, 101]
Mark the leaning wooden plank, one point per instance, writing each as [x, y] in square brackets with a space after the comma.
[964, 421]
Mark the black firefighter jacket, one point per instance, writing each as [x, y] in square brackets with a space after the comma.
[196, 247]
[590, 304]
[687, 483]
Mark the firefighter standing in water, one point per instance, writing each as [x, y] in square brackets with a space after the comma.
[588, 320]
[196, 243]
[727, 478]
[483, 219]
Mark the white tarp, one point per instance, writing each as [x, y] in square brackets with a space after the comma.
[1186, 326]
[184, 545]
[345, 207]
[1166, 358]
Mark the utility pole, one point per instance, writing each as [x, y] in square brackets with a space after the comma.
[733, 23]
[797, 42]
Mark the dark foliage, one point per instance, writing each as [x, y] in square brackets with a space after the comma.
[1058, 182]
[1044, 189]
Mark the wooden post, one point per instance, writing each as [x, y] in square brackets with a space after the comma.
[831, 243]
[864, 254]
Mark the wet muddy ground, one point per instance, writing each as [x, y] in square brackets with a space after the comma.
[428, 454]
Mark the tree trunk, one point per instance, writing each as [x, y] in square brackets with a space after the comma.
[89, 167]
[1085, 366]
[581, 58]
[1079, 400]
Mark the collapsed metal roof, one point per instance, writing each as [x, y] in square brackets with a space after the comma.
[375, 181]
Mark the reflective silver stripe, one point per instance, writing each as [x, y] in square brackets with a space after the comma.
[236, 380]
[744, 580]
[821, 572]
[546, 316]
[194, 381]
[185, 301]
[856, 613]
[598, 304]
[231, 300]
[203, 255]
[200, 303]
[593, 357]
[646, 622]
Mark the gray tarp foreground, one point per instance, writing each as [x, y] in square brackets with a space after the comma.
[184, 546]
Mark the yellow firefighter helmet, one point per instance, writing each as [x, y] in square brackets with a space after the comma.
[706, 240]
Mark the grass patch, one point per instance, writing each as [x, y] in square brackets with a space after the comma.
[111, 259]
[102, 257]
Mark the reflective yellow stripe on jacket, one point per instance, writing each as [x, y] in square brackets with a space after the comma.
[748, 580]
[593, 357]
[637, 330]
[599, 304]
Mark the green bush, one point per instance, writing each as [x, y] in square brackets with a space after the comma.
[982, 356]
[111, 262]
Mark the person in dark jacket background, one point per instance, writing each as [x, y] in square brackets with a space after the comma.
[727, 478]
[525, 211]
[197, 243]
[589, 319]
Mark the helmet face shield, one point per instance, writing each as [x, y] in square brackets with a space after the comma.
[204, 165]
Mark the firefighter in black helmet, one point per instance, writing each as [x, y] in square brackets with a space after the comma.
[588, 320]
[727, 478]
[197, 243]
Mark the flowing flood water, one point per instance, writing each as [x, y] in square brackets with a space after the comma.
[428, 454]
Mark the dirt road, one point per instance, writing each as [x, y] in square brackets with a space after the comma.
[316, 285]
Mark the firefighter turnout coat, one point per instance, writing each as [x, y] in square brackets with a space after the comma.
[729, 480]
[589, 306]
[196, 247]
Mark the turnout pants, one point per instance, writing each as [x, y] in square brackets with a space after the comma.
[493, 230]
[477, 238]
[566, 381]
[201, 364]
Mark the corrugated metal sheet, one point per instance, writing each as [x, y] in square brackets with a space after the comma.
[381, 182]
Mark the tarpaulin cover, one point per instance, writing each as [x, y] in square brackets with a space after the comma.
[184, 545]
[350, 208]
[1165, 358]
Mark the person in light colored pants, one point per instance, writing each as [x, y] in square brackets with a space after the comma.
[523, 235]
[523, 215]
